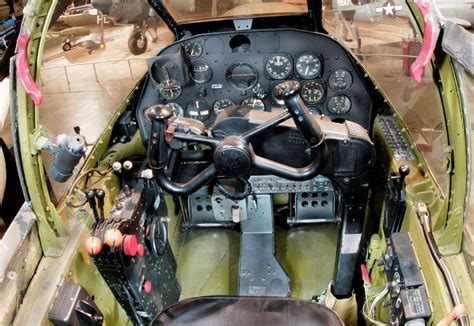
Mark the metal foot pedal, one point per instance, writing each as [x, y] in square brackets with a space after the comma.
[260, 273]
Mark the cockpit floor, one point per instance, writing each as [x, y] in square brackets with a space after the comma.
[208, 259]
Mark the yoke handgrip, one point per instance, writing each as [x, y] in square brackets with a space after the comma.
[304, 121]
[157, 149]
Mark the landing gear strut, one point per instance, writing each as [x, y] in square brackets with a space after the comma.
[138, 41]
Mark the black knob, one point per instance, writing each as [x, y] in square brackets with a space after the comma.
[404, 170]
[159, 112]
[287, 89]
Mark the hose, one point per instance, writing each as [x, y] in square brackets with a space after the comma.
[453, 291]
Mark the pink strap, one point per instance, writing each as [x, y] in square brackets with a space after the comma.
[23, 72]
[430, 37]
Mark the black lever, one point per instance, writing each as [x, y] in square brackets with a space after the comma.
[403, 171]
[157, 150]
[90, 195]
[100, 194]
[304, 121]
[395, 201]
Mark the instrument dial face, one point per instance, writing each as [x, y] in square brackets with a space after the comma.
[178, 110]
[193, 49]
[340, 104]
[254, 103]
[200, 73]
[169, 89]
[278, 66]
[198, 109]
[340, 80]
[312, 92]
[308, 66]
[242, 76]
[221, 105]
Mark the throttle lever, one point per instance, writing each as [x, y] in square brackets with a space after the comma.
[310, 130]
[157, 149]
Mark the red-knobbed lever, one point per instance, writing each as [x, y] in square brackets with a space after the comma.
[94, 245]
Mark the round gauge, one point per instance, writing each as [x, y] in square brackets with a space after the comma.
[340, 80]
[278, 66]
[242, 76]
[178, 110]
[193, 49]
[308, 66]
[200, 72]
[169, 89]
[340, 104]
[312, 92]
[254, 103]
[198, 109]
[220, 105]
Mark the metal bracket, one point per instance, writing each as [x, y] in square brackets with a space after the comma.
[260, 273]
[243, 24]
[39, 140]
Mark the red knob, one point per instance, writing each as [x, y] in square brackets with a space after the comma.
[130, 244]
[147, 286]
[140, 249]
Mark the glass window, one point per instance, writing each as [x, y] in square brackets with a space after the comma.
[199, 10]
[382, 36]
[92, 60]
[468, 243]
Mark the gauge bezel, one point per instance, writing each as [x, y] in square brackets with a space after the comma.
[290, 62]
[320, 70]
[220, 100]
[340, 89]
[199, 81]
[172, 104]
[339, 95]
[201, 101]
[161, 87]
[196, 55]
[322, 84]
[256, 98]
[233, 83]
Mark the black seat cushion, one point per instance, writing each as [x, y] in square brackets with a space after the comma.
[246, 311]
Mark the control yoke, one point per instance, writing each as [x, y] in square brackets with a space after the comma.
[233, 155]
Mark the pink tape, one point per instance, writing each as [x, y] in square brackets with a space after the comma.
[430, 37]
[23, 71]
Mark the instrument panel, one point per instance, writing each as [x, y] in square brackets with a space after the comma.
[201, 76]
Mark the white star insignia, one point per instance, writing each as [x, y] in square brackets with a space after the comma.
[389, 9]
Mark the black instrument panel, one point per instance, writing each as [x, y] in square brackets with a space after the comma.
[202, 75]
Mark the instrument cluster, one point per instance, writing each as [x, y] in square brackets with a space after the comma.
[203, 75]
